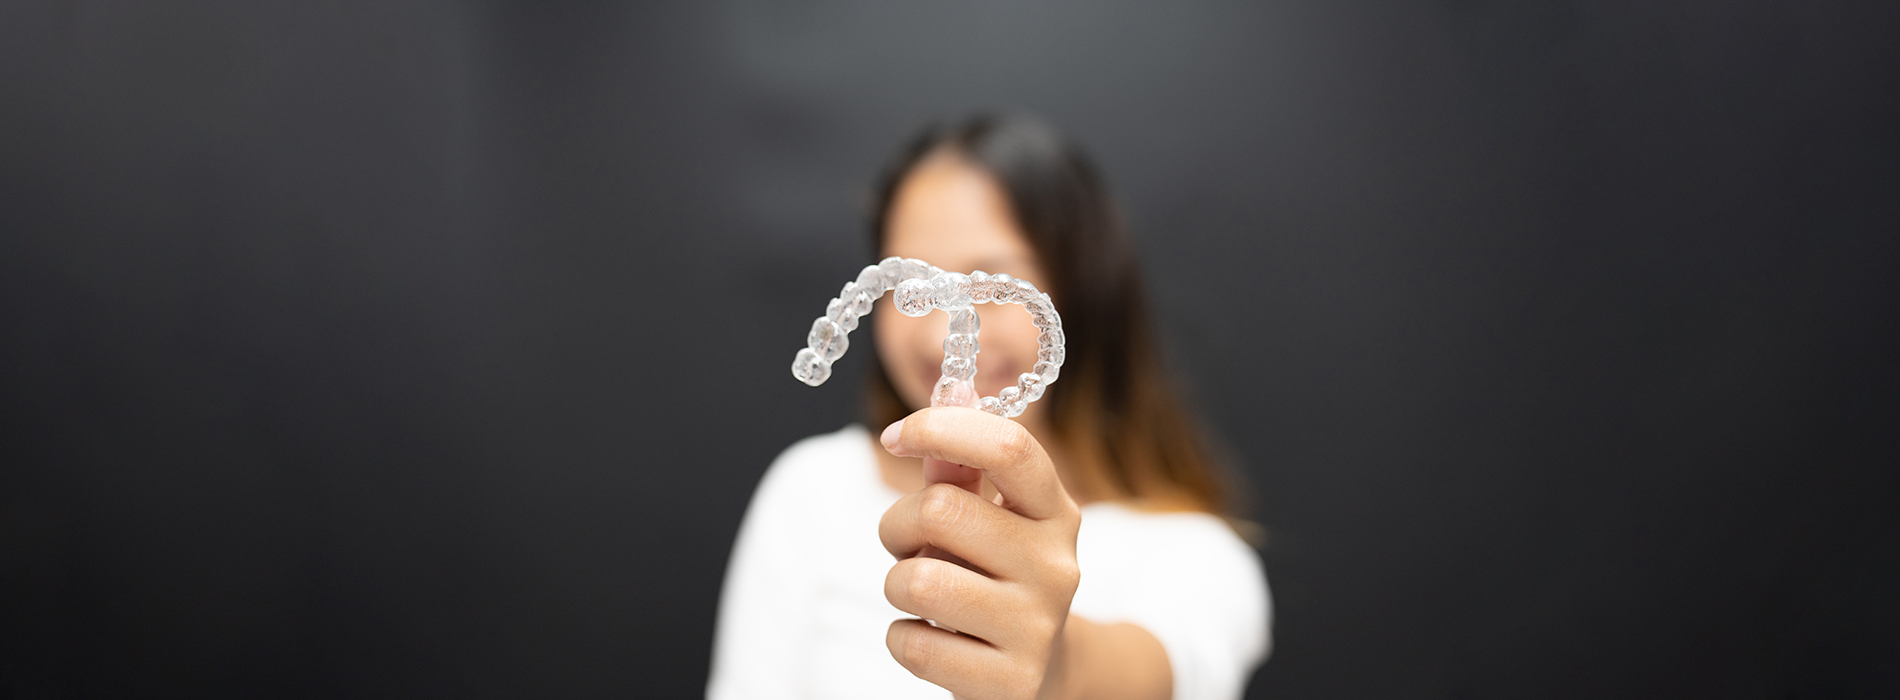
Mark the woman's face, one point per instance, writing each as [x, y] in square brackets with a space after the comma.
[952, 214]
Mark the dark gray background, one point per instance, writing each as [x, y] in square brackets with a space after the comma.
[431, 349]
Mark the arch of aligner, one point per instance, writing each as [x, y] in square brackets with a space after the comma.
[921, 287]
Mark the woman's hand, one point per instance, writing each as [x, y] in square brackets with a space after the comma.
[1001, 573]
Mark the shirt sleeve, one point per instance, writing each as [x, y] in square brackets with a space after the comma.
[1202, 592]
[763, 618]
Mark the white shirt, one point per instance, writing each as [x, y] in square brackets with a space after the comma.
[803, 613]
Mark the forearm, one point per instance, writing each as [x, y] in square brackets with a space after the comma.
[1118, 661]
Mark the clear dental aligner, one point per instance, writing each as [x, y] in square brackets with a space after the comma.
[920, 288]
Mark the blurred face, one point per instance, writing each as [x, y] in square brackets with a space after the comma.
[951, 214]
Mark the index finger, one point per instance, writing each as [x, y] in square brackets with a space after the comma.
[1004, 450]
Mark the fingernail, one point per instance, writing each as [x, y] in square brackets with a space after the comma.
[889, 438]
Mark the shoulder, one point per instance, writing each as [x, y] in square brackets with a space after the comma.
[803, 488]
[1188, 579]
[1167, 536]
[818, 462]
[1167, 554]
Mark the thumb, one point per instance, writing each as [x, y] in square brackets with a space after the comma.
[937, 471]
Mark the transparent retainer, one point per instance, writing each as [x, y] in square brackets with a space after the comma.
[920, 288]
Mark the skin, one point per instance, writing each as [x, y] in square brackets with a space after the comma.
[985, 537]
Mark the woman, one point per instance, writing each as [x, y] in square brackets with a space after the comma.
[1078, 554]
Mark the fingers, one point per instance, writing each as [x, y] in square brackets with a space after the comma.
[937, 471]
[960, 599]
[962, 664]
[999, 446]
[1008, 569]
[962, 523]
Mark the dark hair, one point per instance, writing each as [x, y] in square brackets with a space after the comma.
[1116, 409]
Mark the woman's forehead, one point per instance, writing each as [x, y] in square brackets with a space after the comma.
[956, 216]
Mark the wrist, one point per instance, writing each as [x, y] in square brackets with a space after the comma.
[1107, 662]
[1067, 661]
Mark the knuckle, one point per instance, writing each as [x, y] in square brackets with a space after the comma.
[918, 652]
[939, 500]
[888, 527]
[925, 585]
[897, 584]
[941, 508]
[1066, 572]
[1014, 446]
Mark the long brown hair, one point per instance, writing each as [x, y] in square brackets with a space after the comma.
[1116, 409]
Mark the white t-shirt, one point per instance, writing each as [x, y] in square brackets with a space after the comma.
[803, 613]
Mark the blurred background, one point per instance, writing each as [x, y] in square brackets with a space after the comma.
[432, 349]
